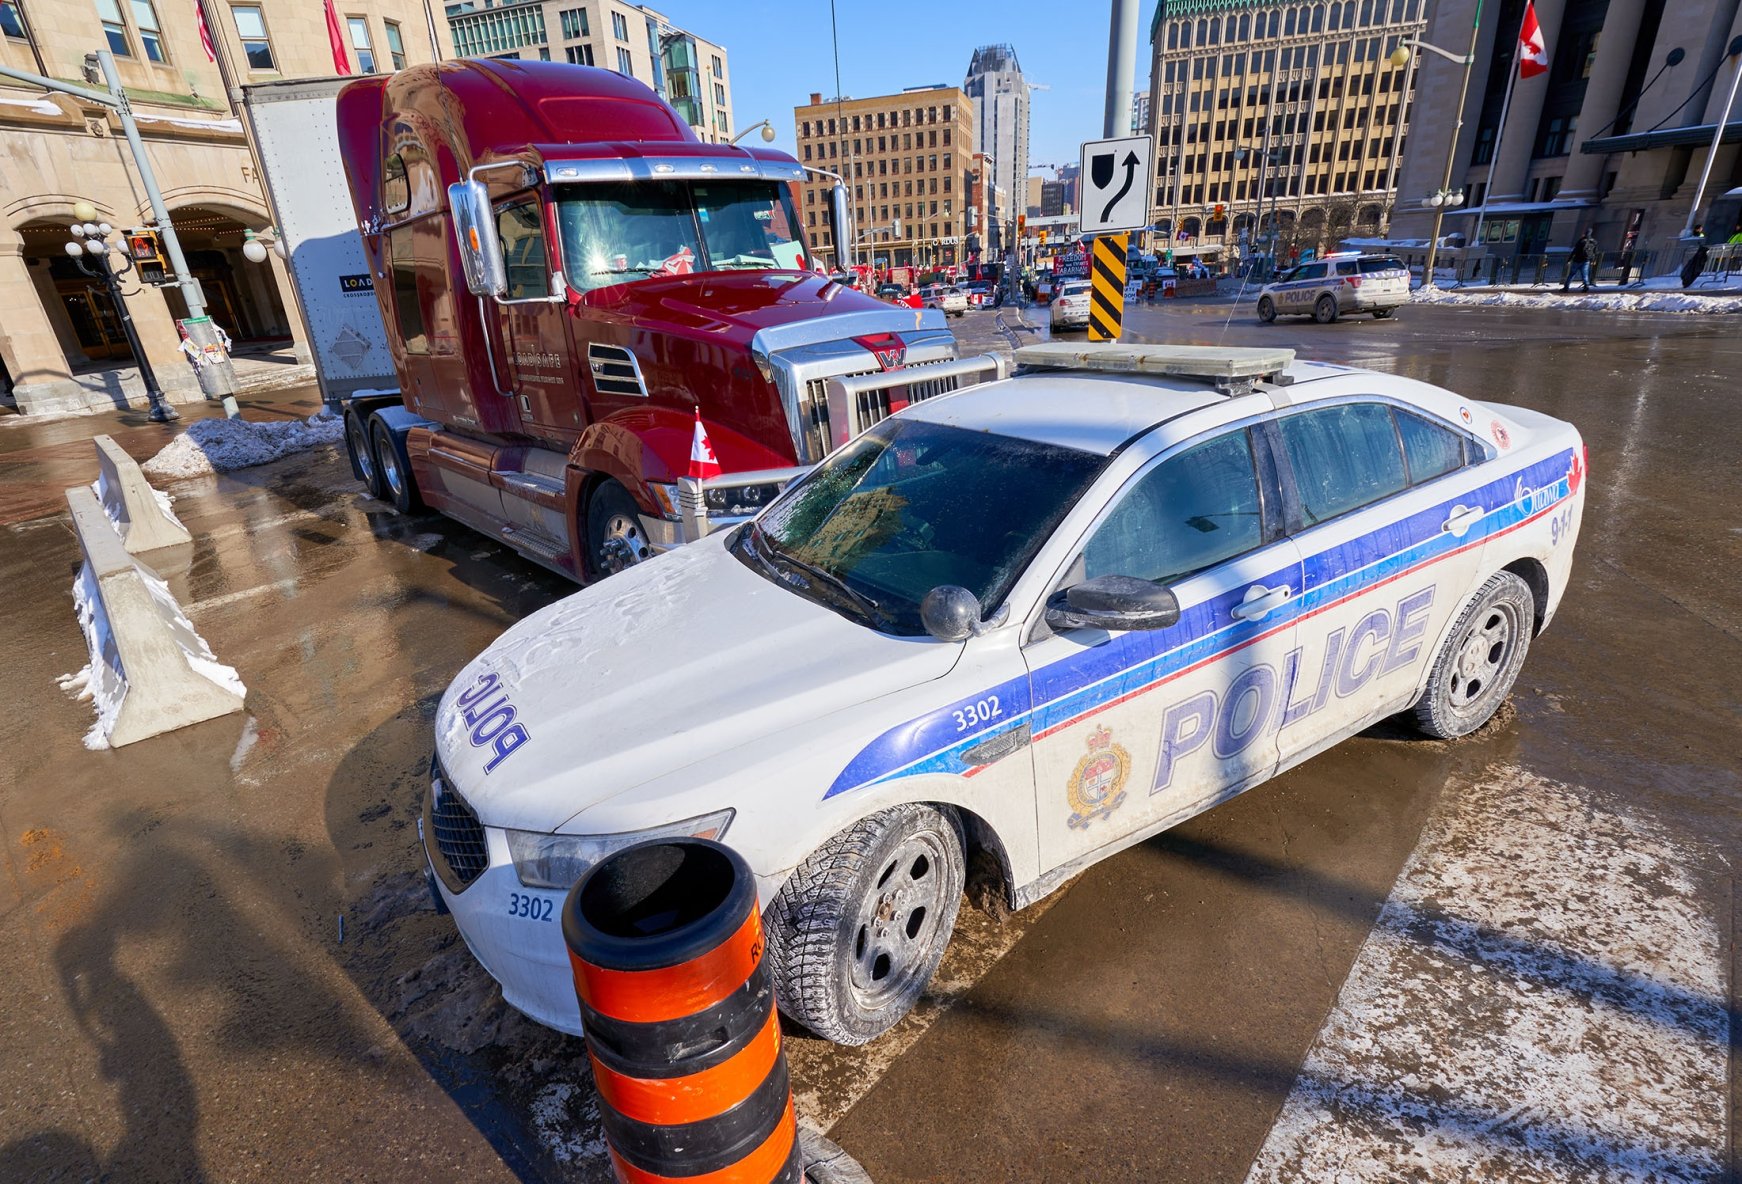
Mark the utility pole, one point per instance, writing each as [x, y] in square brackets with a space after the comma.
[1121, 66]
[218, 379]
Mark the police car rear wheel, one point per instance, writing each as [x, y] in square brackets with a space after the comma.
[1266, 309]
[1474, 671]
[1325, 311]
[859, 928]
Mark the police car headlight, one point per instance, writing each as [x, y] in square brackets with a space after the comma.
[557, 861]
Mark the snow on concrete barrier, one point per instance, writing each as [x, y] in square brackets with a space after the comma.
[1606, 300]
[150, 672]
[140, 513]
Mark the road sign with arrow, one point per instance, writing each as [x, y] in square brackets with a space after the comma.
[1116, 177]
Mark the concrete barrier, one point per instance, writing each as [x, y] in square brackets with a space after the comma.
[150, 672]
[140, 514]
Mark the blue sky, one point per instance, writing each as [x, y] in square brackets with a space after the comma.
[780, 51]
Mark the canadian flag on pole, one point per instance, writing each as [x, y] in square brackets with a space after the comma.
[336, 39]
[702, 462]
[1532, 49]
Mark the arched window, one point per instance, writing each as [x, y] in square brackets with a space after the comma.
[1288, 24]
[1245, 27]
[1318, 18]
[1172, 35]
[1275, 22]
[1215, 30]
[1190, 227]
[1203, 31]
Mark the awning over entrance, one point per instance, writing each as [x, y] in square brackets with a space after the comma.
[1523, 207]
[1669, 137]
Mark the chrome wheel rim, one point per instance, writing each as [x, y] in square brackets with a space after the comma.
[390, 472]
[897, 928]
[360, 448]
[623, 545]
[1482, 658]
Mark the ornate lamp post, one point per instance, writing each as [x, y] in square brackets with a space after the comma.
[90, 248]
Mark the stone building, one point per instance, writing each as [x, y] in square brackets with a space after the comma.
[61, 346]
[1290, 106]
[1614, 137]
[687, 71]
[908, 159]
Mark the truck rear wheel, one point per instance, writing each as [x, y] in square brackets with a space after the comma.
[615, 539]
[394, 467]
[362, 455]
[858, 930]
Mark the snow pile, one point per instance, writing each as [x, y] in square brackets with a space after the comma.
[220, 445]
[1630, 301]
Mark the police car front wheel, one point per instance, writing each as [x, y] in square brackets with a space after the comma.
[1476, 667]
[858, 930]
[1266, 309]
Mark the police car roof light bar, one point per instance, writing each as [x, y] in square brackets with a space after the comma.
[1232, 371]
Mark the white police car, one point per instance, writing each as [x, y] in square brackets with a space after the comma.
[1020, 626]
[1337, 286]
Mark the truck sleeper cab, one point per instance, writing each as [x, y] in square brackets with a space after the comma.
[570, 282]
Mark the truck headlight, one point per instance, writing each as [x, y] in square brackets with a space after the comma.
[557, 861]
[738, 501]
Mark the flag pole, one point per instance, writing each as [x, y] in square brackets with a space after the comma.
[1500, 132]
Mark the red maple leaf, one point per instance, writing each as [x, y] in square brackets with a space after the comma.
[1576, 475]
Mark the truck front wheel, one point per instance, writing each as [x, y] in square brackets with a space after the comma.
[615, 539]
[858, 930]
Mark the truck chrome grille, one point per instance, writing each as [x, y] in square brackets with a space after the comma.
[459, 837]
[873, 405]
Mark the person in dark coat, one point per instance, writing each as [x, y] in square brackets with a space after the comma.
[1581, 261]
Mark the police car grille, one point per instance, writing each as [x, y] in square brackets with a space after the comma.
[459, 836]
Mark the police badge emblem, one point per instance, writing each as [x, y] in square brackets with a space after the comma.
[1097, 785]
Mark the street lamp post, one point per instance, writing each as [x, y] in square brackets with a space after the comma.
[1442, 199]
[1399, 57]
[1735, 49]
[90, 245]
[768, 132]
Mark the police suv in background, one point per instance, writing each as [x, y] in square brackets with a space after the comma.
[1017, 627]
[1337, 286]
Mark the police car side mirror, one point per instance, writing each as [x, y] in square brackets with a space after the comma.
[950, 612]
[1114, 602]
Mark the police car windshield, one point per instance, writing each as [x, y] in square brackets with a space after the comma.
[911, 505]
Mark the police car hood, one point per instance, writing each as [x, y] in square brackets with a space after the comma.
[650, 671]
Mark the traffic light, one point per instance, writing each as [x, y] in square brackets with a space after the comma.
[1043, 238]
[1021, 225]
[146, 250]
[1221, 213]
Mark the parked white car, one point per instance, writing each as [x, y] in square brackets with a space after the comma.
[951, 300]
[1018, 627]
[1070, 308]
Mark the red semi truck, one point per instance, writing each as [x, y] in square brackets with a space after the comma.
[567, 277]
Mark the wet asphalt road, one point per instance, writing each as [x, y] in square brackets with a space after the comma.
[181, 1006]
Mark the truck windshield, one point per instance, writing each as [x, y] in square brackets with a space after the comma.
[625, 231]
[911, 505]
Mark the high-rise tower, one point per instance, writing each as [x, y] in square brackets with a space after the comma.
[1000, 95]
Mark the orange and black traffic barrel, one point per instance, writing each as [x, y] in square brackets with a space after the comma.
[667, 950]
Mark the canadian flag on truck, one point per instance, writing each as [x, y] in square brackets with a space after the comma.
[702, 462]
[1532, 48]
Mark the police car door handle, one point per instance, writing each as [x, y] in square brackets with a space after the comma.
[1461, 518]
[1260, 602]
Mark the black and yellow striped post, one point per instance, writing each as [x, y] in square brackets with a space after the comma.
[1107, 288]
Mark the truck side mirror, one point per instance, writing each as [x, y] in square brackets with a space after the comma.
[475, 230]
[841, 226]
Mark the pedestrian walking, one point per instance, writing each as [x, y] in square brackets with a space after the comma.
[1579, 262]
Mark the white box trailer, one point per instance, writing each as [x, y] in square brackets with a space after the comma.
[295, 129]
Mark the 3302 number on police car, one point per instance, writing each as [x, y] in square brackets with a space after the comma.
[531, 908]
[983, 712]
